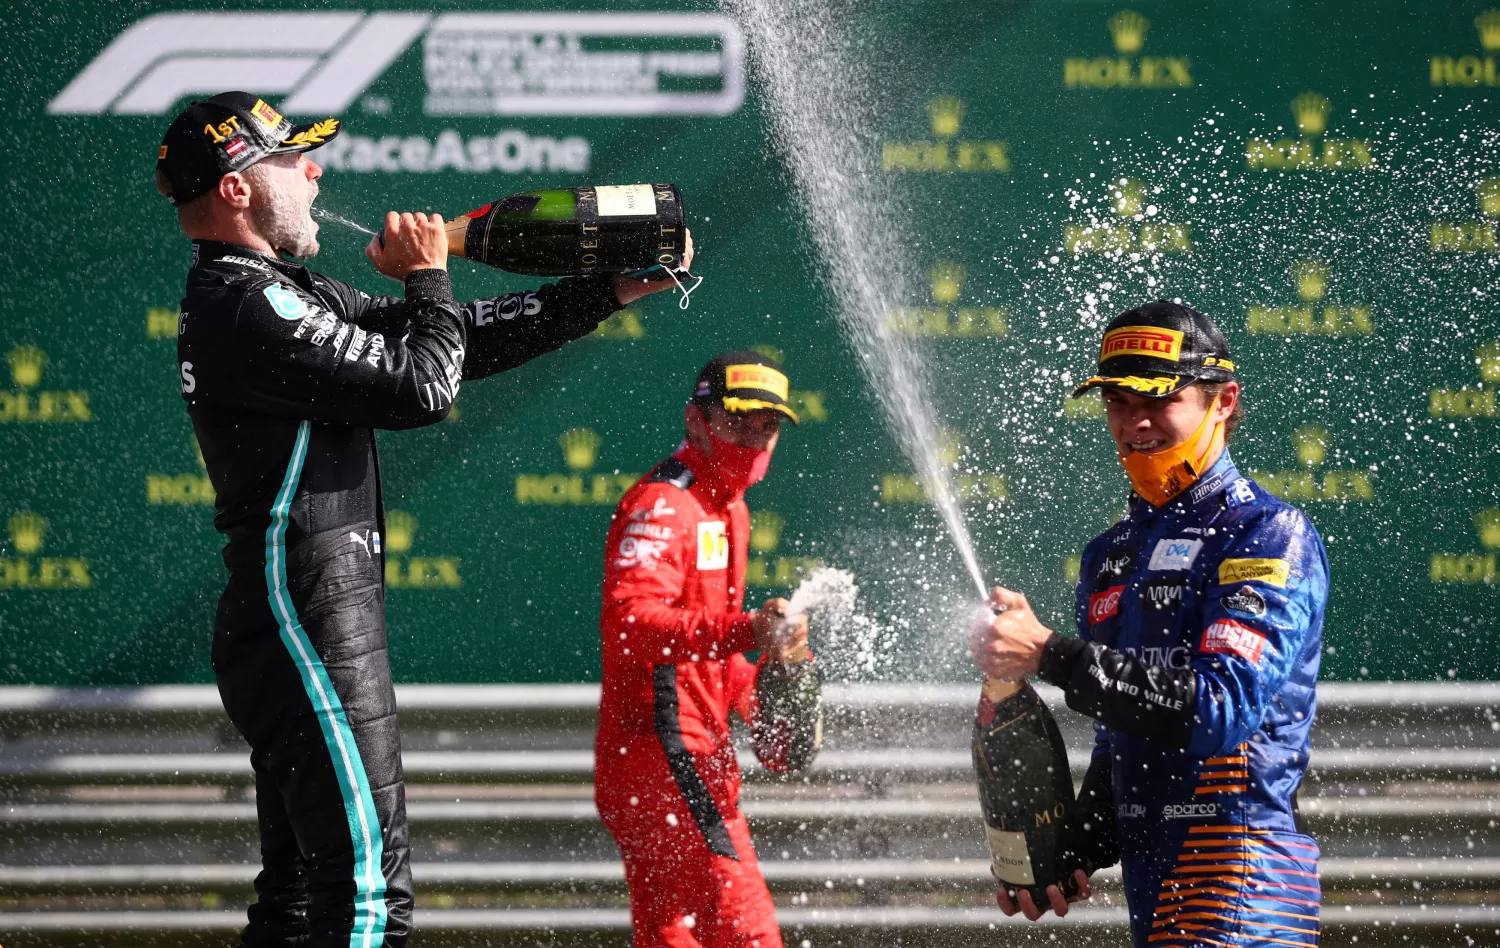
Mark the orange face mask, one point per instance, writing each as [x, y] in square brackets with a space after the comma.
[1162, 475]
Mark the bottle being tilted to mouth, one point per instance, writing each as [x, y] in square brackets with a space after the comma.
[1025, 791]
[575, 231]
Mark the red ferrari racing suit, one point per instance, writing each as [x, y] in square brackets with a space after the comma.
[665, 777]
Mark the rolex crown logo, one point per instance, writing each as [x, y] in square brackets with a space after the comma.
[1488, 358]
[1312, 444]
[580, 447]
[765, 530]
[1487, 523]
[26, 532]
[947, 280]
[1127, 197]
[1488, 193]
[1488, 24]
[26, 364]
[1311, 112]
[400, 527]
[946, 113]
[1311, 277]
[950, 444]
[1128, 29]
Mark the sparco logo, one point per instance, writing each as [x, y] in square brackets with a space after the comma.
[474, 63]
[1189, 811]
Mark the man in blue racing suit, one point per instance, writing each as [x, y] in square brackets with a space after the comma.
[1200, 618]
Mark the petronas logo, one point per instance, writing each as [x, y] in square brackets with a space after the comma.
[26, 532]
[1312, 444]
[400, 529]
[1311, 277]
[946, 113]
[580, 448]
[1128, 30]
[26, 364]
[765, 530]
[1488, 25]
[1311, 112]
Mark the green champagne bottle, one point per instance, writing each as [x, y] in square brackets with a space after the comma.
[575, 231]
[1025, 791]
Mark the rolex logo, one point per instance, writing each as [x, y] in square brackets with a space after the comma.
[770, 352]
[1487, 192]
[1311, 278]
[1312, 444]
[1488, 25]
[24, 570]
[26, 532]
[580, 447]
[26, 405]
[400, 528]
[1128, 30]
[946, 152]
[947, 282]
[950, 445]
[765, 530]
[1487, 357]
[1487, 523]
[182, 489]
[1127, 198]
[1311, 112]
[26, 363]
[946, 113]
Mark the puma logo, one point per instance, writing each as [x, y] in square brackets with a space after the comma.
[363, 541]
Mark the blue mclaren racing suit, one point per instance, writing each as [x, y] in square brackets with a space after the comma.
[1200, 632]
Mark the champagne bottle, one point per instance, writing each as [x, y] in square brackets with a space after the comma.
[1025, 790]
[567, 231]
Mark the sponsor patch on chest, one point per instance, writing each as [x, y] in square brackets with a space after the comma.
[1162, 595]
[1246, 602]
[1228, 637]
[1272, 572]
[1174, 553]
[1105, 605]
[713, 545]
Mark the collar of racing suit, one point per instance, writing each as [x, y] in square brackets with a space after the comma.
[206, 250]
[1215, 481]
[705, 474]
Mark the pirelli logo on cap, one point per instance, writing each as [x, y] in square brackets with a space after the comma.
[760, 377]
[268, 116]
[1270, 572]
[1142, 340]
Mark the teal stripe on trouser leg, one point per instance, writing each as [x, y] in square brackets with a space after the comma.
[359, 805]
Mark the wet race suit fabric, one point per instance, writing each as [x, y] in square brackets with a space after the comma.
[665, 777]
[1200, 635]
[286, 374]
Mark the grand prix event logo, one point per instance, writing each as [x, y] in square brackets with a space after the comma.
[577, 64]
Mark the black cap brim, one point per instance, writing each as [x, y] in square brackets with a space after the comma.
[1159, 386]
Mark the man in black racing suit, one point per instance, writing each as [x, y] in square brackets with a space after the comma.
[286, 373]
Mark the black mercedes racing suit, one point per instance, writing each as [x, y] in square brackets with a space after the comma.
[286, 373]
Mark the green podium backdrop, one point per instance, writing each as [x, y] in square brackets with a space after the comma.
[1320, 178]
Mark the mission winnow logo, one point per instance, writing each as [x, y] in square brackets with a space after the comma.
[579, 64]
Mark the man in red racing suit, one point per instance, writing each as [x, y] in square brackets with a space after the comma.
[674, 630]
